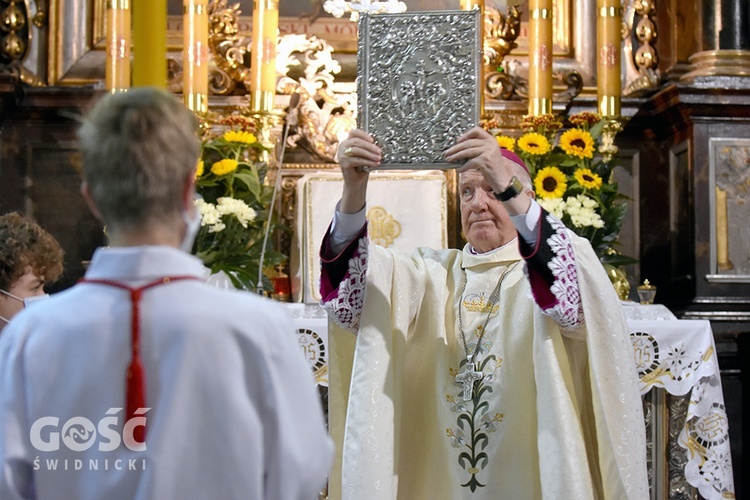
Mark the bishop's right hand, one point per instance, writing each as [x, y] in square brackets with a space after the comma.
[358, 155]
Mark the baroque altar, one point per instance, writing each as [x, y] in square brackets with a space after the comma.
[683, 160]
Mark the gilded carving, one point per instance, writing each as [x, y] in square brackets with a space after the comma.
[14, 31]
[639, 35]
[501, 79]
[228, 49]
[327, 109]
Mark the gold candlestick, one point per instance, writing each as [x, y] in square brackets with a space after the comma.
[263, 57]
[608, 41]
[150, 43]
[117, 72]
[540, 57]
[195, 55]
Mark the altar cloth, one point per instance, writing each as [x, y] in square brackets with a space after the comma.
[680, 357]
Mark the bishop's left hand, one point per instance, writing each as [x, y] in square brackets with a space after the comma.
[479, 149]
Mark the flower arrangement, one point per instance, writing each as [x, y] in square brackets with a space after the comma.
[571, 181]
[234, 204]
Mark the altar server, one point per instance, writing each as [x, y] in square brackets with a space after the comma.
[501, 370]
[141, 381]
[30, 258]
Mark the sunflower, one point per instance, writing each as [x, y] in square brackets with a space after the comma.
[588, 179]
[506, 142]
[223, 167]
[199, 169]
[577, 142]
[550, 182]
[239, 137]
[534, 144]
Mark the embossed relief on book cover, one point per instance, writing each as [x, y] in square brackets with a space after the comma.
[417, 82]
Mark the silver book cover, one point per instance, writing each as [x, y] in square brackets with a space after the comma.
[417, 83]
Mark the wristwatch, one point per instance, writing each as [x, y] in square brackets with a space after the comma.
[514, 189]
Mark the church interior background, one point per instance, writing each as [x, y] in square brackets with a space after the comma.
[679, 105]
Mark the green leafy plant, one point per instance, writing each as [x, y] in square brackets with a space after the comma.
[572, 181]
[234, 204]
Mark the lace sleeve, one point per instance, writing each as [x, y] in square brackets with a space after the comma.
[551, 270]
[342, 291]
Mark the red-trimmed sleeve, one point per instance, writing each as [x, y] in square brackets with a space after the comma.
[551, 270]
[342, 279]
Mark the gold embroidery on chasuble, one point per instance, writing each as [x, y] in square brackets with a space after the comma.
[476, 420]
[382, 228]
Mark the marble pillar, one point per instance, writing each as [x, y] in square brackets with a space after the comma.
[724, 61]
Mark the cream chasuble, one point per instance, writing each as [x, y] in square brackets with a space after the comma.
[556, 415]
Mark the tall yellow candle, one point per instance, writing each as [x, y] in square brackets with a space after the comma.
[470, 5]
[150, 43]
[608, 40]
[540, 57]
[263, 57]
[117, 72]
[195, 55]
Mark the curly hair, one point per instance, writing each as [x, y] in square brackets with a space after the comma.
[24, 244]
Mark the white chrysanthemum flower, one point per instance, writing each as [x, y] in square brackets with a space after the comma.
[210, 216]
[238, 208]
[582, 211]
[587, 202]
[555, 206]
[218, 227]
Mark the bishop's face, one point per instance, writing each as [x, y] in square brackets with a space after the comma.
[485, 222]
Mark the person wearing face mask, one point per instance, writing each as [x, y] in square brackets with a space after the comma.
[142, 381]
[29, 258]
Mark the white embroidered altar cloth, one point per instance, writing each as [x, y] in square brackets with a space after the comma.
[680, 357]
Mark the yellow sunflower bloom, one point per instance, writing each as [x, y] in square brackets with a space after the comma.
[534, 144]
[223, 167]
[577, 142]
[199, 169]
[506, 142]
[588, 179]
[239, 136]
[550, 182]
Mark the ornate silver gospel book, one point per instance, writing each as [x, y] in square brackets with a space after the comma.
[417, 83]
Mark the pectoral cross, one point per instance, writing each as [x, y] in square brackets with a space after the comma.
[467, 376]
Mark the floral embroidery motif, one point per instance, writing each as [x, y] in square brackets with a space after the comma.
[568, 310]
[345, 307]
[680, 362]
[475, 420]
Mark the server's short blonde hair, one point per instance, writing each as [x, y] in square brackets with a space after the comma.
[138, 148]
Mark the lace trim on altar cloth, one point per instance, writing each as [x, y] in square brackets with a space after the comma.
[345, 304]
[568, 310]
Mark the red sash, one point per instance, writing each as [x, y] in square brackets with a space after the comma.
[135, 386]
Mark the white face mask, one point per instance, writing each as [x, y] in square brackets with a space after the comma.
[193, 224]
[26, 302]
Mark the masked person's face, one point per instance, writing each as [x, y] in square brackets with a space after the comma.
[24, 290]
